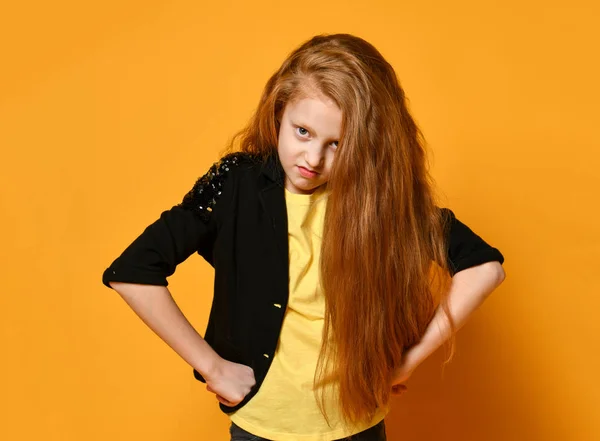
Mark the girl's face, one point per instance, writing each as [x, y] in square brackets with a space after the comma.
[308, 137]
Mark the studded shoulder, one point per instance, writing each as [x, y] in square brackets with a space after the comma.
[205, 193]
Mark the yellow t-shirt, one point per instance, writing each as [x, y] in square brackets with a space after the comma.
[285, 408]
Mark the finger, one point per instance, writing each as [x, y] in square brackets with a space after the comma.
[224, 401]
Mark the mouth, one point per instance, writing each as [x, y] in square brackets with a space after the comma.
[307, 173]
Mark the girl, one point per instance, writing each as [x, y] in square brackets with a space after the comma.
[334, 267]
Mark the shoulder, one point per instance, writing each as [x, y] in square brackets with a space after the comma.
[238, 159]
[231, 164]
[207, 189]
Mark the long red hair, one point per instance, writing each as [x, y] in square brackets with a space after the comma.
[384, 268]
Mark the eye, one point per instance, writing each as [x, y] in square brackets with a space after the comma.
[302, 131]
[334, 144]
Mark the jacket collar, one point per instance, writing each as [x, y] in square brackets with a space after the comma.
[272, 169]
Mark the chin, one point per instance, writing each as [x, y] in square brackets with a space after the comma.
[305, 188]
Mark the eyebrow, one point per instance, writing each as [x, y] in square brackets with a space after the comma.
[306, 126]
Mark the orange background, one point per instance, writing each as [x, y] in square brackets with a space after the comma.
[110, 111]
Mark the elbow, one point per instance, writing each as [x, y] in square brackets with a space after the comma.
[492, 275]
[117, 285]
[483, 278]
[126, 289]
[120, 288]
[496, 272]
[500, 273]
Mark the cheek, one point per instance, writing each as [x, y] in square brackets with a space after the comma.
[329, 165]
[287, 148]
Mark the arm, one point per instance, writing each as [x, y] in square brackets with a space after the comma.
[476, 270]
[154, 304]
[140, 275]
[468, 290]
[157, 309]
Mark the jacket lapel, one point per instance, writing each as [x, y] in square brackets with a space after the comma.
[272, 199]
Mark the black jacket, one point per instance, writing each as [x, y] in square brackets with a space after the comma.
[235, 217]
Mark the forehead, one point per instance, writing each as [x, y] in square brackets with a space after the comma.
[320, 113]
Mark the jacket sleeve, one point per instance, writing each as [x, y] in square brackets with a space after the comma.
[465, 248]
[186, 228]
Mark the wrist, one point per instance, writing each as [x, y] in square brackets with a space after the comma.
[211, 367]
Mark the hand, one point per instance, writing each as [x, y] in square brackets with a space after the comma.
[401, 375]
[230, 381]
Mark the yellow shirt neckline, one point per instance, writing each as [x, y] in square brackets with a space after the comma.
[304, 199]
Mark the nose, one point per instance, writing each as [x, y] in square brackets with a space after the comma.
[314, 157]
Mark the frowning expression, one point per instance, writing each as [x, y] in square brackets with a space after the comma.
[308, 138]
